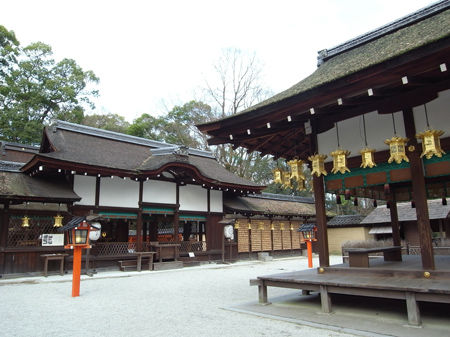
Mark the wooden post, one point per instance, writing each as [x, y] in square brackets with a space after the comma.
[325, 299]
[412, 309]
[97, 191]
[394, 219]
[76, 271]
[262, 293]
[176, 215]
[4, 225]
[420, 196]
[321, 219]
[249, 238]
[139, 218]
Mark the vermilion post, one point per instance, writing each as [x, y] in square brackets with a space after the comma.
[76, 271]
[309, 248]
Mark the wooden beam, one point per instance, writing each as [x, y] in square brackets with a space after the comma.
[139, 218]
[420, 195]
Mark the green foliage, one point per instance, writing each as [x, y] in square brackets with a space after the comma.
[177, 127]
[34, 89]
[110, 121]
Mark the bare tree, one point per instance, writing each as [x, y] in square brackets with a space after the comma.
[236, 86]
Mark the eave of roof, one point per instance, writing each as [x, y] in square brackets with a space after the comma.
[421, 31]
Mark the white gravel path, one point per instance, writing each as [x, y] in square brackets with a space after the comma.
[184, 302]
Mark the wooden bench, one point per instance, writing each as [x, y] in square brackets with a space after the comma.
[132, 264]
[359, 257]
[54, 257]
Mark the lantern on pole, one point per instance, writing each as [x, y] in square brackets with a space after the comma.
[78, 233]
[309, 235]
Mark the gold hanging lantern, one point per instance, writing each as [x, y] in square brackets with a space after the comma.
[25, 222]
[397, 149]
[261, 225]
[58, 221]
[367, 158]
[282, 226]
[272, 227]
[291, 227]
[236, 224]
[431, 144]
[296, 166]
[340, 161]
[287, 180]
[318, 164]
[249, 225]
[278, 176]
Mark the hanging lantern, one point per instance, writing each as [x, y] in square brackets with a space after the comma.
[282, 226]
[25, 222]
[272, 227]
[261, 225]
[58, 221]
[296, 166]
[291, 227]
[340, 161]
[318, 164]
[278, 176]
[249, 225]
[397, 149]
[367, 158]
[286, 180]
[236, 224]
[431, 144]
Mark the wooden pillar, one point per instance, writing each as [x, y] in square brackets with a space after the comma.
[4, 223]
[394, 219]
[97, 191]
[271, 233]
[321, 219]
[319, 200]
[176, 215]
[420, 196]
[249, 237]
[139, 218]
[144, 231]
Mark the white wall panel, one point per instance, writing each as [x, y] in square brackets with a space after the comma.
[163, 192]
[118, 192]
[193, 198]
[351, 133]
[216, 201]
[438, 114]
[84, 186]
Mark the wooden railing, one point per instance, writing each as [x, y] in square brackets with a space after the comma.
[197, 246]
[113, 248]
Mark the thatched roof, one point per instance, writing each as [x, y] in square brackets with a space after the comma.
[400, 37]
[270, 206]
[19, 186]
[382, 214]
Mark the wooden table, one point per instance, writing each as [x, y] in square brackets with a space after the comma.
[57, 257]
[166, 250]
[359, 257]
[144, 254]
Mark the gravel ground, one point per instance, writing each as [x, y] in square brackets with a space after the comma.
[183, 302]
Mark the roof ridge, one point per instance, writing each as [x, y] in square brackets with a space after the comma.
[92, 131]
[283, 197]
[407, 20]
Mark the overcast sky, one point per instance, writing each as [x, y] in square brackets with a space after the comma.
[152, 54]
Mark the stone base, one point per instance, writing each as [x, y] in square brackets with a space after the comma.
[167, 265]
[263, 256]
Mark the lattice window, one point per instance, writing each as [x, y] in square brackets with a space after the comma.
[19, 236]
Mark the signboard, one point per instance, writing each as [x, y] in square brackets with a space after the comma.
[52, 239]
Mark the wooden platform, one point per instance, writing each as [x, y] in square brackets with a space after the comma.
[390, 279]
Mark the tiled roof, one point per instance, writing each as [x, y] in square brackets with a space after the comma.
[10, 166]
[345, 220]
[381, 214]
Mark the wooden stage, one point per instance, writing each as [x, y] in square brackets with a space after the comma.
[392, 279]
